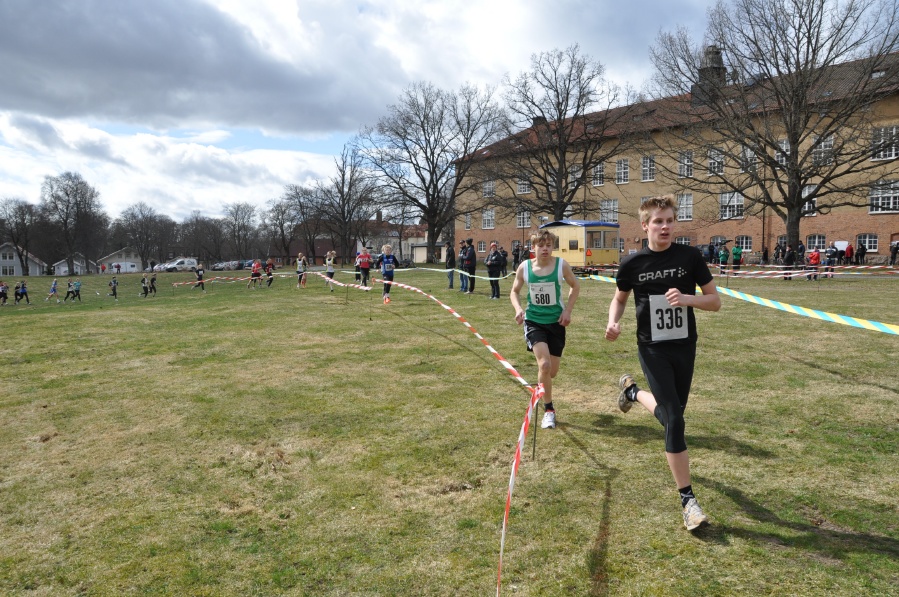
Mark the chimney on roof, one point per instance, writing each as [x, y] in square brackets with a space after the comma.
[538, 120]
[712, 77]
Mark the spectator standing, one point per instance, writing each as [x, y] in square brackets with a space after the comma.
[849, 254]
[778, 253]
[713, 253]
[830, 259]
[800, 254]
[814, 260]
[860, 254]
[463, 274]
[789, 262]
[503, 272]
[738, 257]
[764, 255]
[494, 263]
[450, 263]
[470, 263]
[722, 258]
[894, 250]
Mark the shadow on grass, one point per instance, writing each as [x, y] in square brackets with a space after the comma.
[867, 381]
[608, 425]
[598, 555]
[826, 542]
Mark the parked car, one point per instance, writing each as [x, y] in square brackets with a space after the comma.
[182, 264]
[217, 267]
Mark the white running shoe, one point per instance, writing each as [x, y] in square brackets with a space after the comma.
[694, 517]
[549, 420]
[624, 383]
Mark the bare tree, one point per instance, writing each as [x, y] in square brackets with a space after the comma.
[18, 219]
[240, 223]
[281, 222]
[166, 235]
[139, 223]
[563, 122]
[306, 203]
[424, 148]
[780, 103]
[73, 207]
[347, 200]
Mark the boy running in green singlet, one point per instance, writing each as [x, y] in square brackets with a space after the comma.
[547, 315]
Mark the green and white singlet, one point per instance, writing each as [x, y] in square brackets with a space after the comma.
[545, 303]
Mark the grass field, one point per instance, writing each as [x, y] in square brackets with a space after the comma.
[303, 442]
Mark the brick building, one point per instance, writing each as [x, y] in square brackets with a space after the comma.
[659, 162]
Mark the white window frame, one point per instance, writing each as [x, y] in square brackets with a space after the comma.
[489, 189]
[599, 175]
[884, 197]
[647, 168]
[749, 161]
[815, 241]
[608, 210]
[870, 240]
[744, 242]
[809, 208]
[731, 206]
[622, 171]
[822, 152]
[885, 143]
[482, 246]
[523, 219]
[523, 186]
[685, 207]
[783, 152]
[574, 174]
[683, 240]
[716, 162]
[685, 164]
[468, 221]
[488, 219]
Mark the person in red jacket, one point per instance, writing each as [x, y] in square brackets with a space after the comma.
[814, 260]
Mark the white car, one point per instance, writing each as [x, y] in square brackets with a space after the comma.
[182, 264]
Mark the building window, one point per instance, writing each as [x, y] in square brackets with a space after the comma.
[744, 242]
[815, 241]
[717, 240]
[574, 174]
[884, 197]
[523, 219]
[783, 152]
[682, 240]
[748, 160]
[7, 256]
[685, 207]
[489, 189]
[822, 151]
[685, 164]
[599, 175]
[608, 210]
[885, 143]
[482, 246]
[488, 219]
[468, 221]
[867, 239]
[648, 168]
[716, 161]
[622, 171]
[810, 207]
[620, 245]
[524, 185]
[782, 240]
[731, 206]
[8, 270]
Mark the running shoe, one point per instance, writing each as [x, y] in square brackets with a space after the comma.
[624, 401]
[549, 420]
[694, 517]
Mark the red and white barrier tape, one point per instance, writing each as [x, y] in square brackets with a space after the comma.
[536, 394]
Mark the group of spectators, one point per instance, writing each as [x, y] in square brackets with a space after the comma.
[496, 261]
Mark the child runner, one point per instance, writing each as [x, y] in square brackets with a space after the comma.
[329, 262]
[269, 272]
[114, 288]
[256, 274]
[145, 286]
[70, 291]
[76, 288]
[4, 292]
[53, 291]
[387, 262]
[364, 260]
[23, 292]
[153, 283]
[663, 277]
[547, 315]
[302, 265]
[200, 271]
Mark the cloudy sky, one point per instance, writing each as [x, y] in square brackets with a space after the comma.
[191, 104]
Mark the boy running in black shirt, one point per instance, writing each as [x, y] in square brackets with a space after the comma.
[663, 277]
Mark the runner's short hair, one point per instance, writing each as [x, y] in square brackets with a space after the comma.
[651, 203]
[542, 236]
